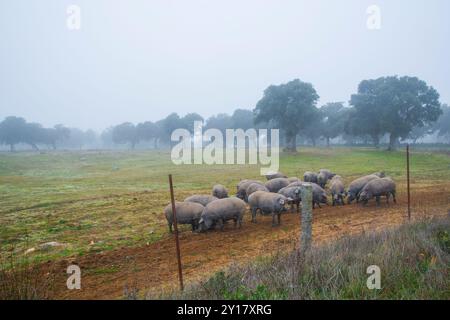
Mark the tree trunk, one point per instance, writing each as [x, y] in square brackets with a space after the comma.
[393, 140]
[376, 141]
[34, 146]
[11, 147]
[328, 142]
[291, 143]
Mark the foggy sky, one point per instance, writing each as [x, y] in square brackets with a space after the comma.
[140, 60]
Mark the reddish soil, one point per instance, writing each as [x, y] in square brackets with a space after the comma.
[153, 268]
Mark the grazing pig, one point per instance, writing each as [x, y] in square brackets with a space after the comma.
[337, 190]
[276, 184]
[245, 181]
[380, 174]
[327, 173]
[293, 194]
[294, 179]
[267, 203]
[219, 191]
[309, 176]
[323, 177]
[220, 211]
[255, 187]
[377, 188]
[202, 199]
[187, 213]
[240, 183]
[242, 188]
[274, 175]
[296, 184]
[356, 186]
[319, 195]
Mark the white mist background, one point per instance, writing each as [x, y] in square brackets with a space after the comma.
[140, 60]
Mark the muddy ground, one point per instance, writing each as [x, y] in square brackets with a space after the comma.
[153, 268]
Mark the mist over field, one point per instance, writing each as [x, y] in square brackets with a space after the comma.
[256, 150]
[141, 60]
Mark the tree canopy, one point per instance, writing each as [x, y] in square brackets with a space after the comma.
[398, 107]
[15, 130]
[443, 124]
[125, 133]
[334, 118]
[292, 107]
[394, 105]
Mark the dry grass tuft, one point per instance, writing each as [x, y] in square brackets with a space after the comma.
[21, 280]
[414, 260]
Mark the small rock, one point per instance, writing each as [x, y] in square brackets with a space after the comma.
[49, 245]
[31, 250]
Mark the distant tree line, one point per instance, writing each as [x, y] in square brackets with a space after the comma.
[400, 107]
[16, 130]
[159, 133]
[393, 108]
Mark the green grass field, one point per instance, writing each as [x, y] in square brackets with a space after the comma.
[91, 201]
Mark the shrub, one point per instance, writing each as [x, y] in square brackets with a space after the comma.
[20, 280]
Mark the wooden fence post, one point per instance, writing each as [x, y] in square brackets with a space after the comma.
[306, 217]
[408, 182]
[175, 225]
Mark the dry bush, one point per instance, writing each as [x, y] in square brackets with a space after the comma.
[21, 280]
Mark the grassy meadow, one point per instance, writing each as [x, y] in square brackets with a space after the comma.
[90, 201]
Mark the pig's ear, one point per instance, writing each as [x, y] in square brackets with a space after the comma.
[290, 199]
[201, 220]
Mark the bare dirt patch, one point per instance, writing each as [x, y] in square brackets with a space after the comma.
[153, 268]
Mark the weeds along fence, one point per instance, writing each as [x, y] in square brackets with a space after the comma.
[20, 279]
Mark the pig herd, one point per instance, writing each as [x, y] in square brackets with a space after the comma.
[204, 212]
